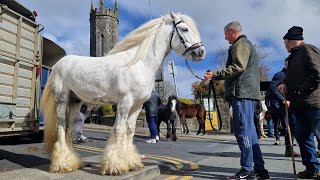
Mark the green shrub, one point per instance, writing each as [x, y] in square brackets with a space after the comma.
[107, 110]
[185, 100]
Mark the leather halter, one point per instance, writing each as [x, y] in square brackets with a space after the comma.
[188, 49]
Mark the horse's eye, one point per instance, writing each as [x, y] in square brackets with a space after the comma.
[185, 29]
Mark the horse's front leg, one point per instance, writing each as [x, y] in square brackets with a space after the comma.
[114, 160]
[133, 156]
[168, 136]
[186, 125]
[63, 157]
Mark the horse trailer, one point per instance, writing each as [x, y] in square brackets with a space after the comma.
[25, 62]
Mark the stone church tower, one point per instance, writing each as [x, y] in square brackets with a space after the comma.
[104, 23]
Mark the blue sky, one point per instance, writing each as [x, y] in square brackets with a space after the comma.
[265, 22]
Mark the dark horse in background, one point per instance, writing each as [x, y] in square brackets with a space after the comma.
[166, 114]
[190, 111]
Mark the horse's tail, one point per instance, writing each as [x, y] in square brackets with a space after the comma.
[50, 117]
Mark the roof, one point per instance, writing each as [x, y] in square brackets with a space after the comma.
[19, 8]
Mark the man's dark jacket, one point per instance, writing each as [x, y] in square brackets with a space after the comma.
[274, 99]
[152, 104]
[303, 78]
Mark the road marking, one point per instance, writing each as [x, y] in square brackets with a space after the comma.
[176, 162]
[192, 165]
[186, 178]
[172, 178]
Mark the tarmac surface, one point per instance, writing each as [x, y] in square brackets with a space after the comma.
[218, 163]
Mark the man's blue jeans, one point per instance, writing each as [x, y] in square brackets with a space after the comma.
[308, 126]
[245, 132]
[279, 116]
[270, 127]
[152, 126]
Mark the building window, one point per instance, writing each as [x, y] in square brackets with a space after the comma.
[102, 44]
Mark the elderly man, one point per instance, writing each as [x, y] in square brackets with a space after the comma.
[242, 90]
[303, 92]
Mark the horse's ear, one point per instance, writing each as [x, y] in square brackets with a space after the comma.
[173, 16]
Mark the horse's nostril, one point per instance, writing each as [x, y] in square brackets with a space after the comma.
[202, 52]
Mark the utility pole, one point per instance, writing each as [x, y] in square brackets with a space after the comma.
[172, 70]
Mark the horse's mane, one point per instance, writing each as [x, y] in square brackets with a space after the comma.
[147, 33]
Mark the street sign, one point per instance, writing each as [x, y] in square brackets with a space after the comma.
[206, 105]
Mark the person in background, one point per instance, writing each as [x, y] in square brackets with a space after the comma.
[242, 90]
[151, 107]
[94, 117]
[302, 88]
[79, 124]
[270, 124]
[274, 102]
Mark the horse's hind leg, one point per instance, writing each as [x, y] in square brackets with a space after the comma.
[63, 159]
[185, 125]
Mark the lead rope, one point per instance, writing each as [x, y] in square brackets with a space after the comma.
[211, 88]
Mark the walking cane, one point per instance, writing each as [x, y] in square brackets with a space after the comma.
[290, 138]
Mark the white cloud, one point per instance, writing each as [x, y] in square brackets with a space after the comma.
[67, 23]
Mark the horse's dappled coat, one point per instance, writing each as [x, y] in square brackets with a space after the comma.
[125, 76]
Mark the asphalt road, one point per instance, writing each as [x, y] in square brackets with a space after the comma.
[190, 157]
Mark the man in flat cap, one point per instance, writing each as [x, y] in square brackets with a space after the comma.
[302, 85]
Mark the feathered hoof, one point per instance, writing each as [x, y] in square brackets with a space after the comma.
[135, 163]
[65, 163]
[114, 168]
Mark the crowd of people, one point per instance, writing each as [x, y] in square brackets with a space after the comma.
[294, 94]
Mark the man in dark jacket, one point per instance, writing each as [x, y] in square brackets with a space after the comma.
[302, 85]
[151, 107]
[242, 90]
[274, 102]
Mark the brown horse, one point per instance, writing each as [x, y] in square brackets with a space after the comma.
[190, 111]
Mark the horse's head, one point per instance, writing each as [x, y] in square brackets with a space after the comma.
[185, 38]
[172, 102]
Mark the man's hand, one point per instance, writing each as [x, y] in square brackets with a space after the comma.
[286, 103]
[208, 75]
[282, 88]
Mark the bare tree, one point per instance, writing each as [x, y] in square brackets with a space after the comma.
[262, 55]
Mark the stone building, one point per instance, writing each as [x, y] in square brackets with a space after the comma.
[104, 25]
[104, 30]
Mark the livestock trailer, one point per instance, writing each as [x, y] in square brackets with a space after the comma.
[25, 62]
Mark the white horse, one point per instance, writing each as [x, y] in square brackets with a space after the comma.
[261, 120]
[125, 76]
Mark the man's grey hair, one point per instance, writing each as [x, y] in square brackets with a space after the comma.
[234, 25]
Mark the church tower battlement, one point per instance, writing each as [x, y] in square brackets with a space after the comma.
[104, 25]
